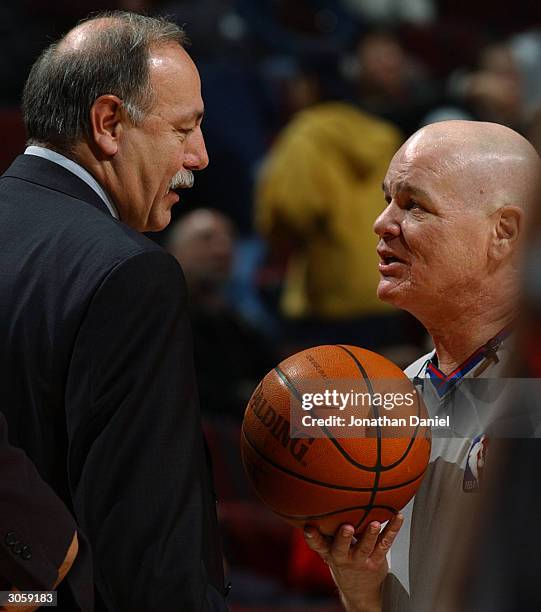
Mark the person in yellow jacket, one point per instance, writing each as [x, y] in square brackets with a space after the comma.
[319, 191]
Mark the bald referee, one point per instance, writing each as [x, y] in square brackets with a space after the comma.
[457, 196]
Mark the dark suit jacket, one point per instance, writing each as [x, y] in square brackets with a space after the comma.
[97, 384]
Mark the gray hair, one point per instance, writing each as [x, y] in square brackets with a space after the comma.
[64, 82]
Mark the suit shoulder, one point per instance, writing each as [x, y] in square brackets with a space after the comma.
[154, 270]
[117, 238]
[115, 252]
[110, 236]
[66, 221]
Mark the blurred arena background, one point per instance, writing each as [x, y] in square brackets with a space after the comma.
[306, 102]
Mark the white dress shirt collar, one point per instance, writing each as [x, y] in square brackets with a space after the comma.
[76, 169]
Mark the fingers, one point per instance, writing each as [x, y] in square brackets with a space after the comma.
[373, 545]
[342, 542]
[368, 541]
[337, 547]
[316, 541]
[387, 537]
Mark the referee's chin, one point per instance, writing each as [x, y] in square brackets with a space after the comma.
[398, 293]
[387, 290]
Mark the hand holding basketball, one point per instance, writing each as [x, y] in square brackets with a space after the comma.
[357, 567]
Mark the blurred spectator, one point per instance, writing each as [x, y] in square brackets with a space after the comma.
[230, 356]
[494, 89]
[391, 84]
[318, 195]
[320, 190]
[491, 91]
[504, 86]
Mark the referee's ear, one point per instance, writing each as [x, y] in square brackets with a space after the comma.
[506, 232]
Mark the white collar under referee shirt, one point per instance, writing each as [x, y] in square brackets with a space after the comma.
[76, 169]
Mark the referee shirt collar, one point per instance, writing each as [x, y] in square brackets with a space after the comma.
[445, 382]
[76, 169]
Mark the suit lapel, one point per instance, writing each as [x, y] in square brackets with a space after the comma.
[46, 173]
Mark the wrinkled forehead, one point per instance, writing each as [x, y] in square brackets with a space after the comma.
[434, 168]
[441, 154]
[175, 81]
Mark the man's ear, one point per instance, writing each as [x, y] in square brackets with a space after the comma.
[106, 116]
[506, 232]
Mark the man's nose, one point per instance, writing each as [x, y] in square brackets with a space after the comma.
[195, 153]
[387, 223]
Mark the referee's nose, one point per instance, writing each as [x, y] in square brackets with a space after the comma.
[387, 225]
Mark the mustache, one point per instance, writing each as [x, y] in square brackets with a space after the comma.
[183, 179]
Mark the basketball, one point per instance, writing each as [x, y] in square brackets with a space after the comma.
[323, 465]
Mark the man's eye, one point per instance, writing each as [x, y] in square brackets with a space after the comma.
[184, 133]
[412, 205]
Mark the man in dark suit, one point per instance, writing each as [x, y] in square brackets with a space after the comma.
[96, 361]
